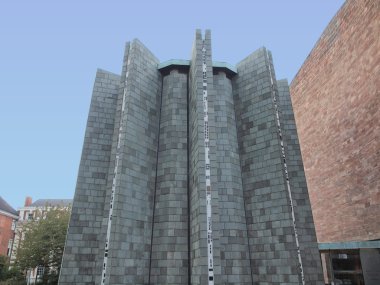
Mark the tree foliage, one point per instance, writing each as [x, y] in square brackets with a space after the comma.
[3, 266]
[9, 275]
[43, 243]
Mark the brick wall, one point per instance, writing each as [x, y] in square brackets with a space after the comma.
[336, 104]
[6, 233]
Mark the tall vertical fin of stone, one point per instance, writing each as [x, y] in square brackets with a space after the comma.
[169, 264]
[284, 162]
[130, 238]
[271, 236]
[114, 170]
[80, 263]
[197, 180]
[234, 250]
[302, 208]
[205, 270]
[210, 165]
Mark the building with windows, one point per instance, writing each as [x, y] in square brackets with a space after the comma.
[32, 211]
[35, 210]
[191, 173]
[8, 218]
[336, 103]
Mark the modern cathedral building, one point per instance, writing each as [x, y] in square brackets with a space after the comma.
[191, 173]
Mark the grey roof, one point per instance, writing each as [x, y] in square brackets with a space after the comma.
[4, 206]
[52, 202]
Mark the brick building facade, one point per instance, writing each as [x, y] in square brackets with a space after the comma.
[336, 104]
[8, 218]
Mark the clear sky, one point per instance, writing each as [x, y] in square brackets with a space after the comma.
[50, 50]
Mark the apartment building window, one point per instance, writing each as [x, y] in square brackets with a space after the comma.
[9, 250]
[40, 271]
[13, 225]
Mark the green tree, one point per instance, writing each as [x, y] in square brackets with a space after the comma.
[43, 244]
[10, 275]
[3, 267]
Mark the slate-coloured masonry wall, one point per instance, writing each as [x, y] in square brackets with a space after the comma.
[304, 218]
[141, 212]
[198, 217]
[129, 255]
[82, 245]
[112, 182]
[169, 263]
[270, 232]
[234, 251]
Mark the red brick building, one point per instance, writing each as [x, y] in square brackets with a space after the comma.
[336, 103]
[8, 218]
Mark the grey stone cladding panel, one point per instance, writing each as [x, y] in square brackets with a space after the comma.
[270, 227]
[198, 217]
[212, 96]
[169, 264]
[79, 264]
[197, 213]
[234, 250]
[111, 171]
[305, 224]
[130, 242]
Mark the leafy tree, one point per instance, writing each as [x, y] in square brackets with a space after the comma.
[43, 243]
[3, 267]
[9, 275]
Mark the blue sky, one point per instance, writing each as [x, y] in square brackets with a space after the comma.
[50, 50]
